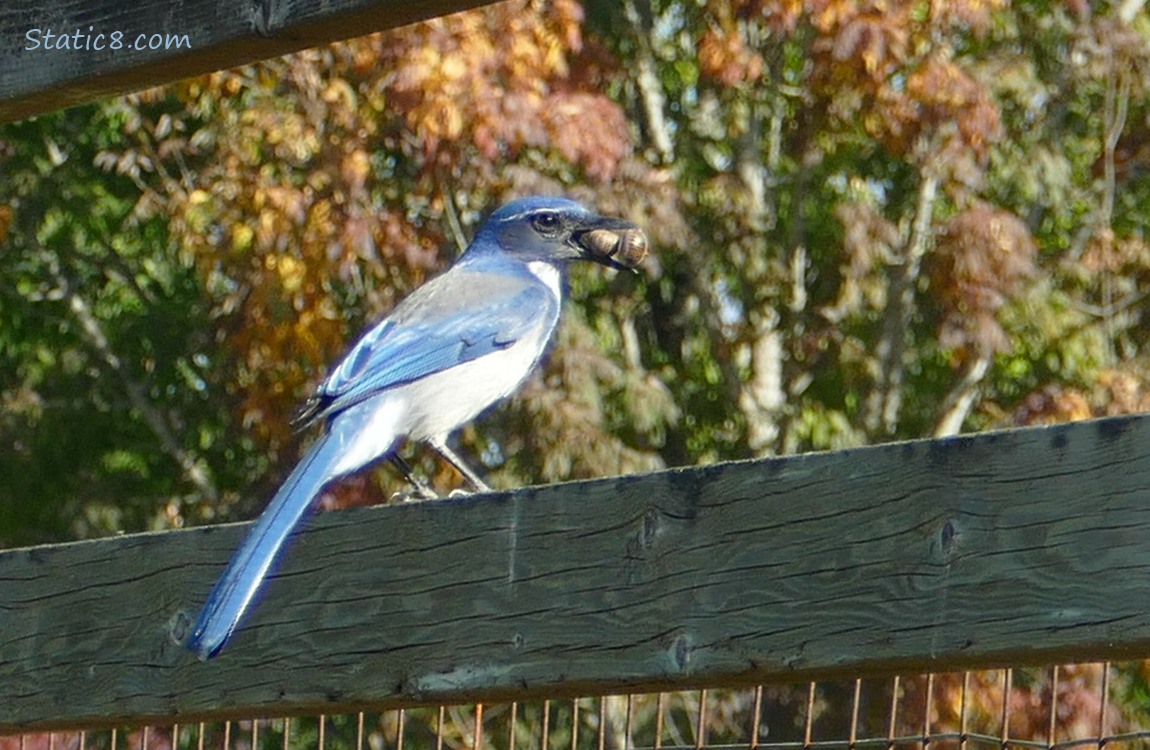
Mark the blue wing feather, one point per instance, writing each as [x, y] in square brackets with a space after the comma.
[397, 352]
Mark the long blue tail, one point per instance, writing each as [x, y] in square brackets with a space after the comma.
[236, 589]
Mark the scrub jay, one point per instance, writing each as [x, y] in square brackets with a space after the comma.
[454, 347]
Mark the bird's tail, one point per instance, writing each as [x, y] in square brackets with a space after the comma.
[237, 588]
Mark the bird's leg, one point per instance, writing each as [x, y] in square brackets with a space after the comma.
[421, 491]
[440, 445]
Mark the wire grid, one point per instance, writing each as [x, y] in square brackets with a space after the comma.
[1056, 708]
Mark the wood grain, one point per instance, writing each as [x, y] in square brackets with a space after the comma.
[1021, 547]
[220, 34]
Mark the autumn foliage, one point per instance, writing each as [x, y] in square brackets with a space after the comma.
[857, 208]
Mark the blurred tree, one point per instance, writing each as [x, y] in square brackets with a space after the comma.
[107, 418]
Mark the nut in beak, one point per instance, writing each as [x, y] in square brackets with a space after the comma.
[622, 248]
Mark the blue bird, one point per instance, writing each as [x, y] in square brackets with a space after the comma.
[446, 353]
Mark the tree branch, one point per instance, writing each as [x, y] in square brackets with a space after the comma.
[194, 469]
[651, 94]
[884, 405]
[961, 397]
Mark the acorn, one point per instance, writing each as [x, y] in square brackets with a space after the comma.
[625, 247]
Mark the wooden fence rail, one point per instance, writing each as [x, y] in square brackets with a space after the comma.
[100, 48]
[1019, 547]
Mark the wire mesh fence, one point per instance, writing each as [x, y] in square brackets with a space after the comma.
[1070, 706]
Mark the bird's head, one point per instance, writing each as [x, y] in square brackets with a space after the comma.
[558, 229]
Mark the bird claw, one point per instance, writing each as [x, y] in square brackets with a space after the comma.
[416, 495]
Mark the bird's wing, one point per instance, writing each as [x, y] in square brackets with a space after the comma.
[418, 341]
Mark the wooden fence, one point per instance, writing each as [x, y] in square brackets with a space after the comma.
[1027, 546]
[151, 42]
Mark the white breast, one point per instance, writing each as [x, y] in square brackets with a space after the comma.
[549, 275]
[441, 403]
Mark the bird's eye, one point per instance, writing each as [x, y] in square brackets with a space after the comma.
[546, 222]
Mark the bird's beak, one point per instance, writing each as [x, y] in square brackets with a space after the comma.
[613, 242]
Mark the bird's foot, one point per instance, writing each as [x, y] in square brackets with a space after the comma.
[414, 495]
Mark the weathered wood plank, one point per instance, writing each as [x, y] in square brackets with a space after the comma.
[1021, 547]
[195, 36]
